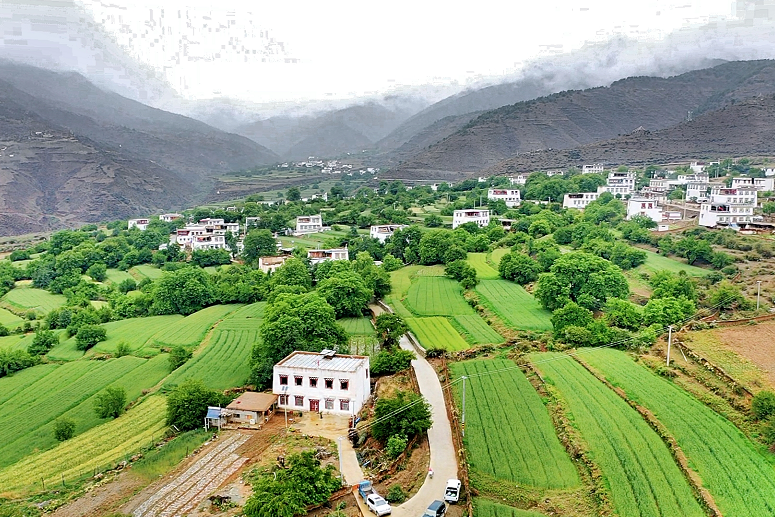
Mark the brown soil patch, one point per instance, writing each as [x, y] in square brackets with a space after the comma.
[411, 473]
[755, 343]
[104, 499]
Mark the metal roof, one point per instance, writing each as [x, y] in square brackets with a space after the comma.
[318, 361]
[213, 412]
[252, 401]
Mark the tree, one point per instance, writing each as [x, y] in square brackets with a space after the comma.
[178, 357]
[259, 243]
[187, 404]
[216, 257]
[88, 336]
[726, 296]
[292, 272]
[97, 271]
[519, 268]
[43, 341]
[388, 362]
[410, 415]
[571, 314]
[184, 291]
[293, 194]
[763, 405]
[623, 314]
[110, 403]
[64, 428]
[390, 263]
[667, 311]
[768, 208]
[390, 327]
[463, 272]
[347, 293]
[434, 221]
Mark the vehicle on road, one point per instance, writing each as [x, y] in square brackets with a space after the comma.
[436, 509]
[452, 492]
[378, 505]
[365, 489]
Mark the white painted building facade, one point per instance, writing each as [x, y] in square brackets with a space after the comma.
[140, 224]
[320, 255]
[595, 168]
[729, 206]
[762, 184]
[519, 179]
[509, 196]
[644, 207]
[697, 190]
[478, 216]
[221, 226]
[271, 264]
[579, 200]
[309, 224]
[168, 218]
[619, 184]
[322, 382]
[381, 232]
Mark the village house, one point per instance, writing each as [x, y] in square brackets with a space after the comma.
[325, 382]
[619, 184]
[309, 224]
[579, 200]
[596, 168]
[140, 224]
[763, 184]
[249, 409]
[193, 237]
[478, 216]
[168, 218]
[251, 222]
[519, 179]
[728, 206]
[320, 255]
[271, 264]
[645, 207]
[509, 196]
[697, 190]
[383, 231]
[220, 226]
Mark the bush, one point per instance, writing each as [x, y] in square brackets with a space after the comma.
[763, 405]
[396, 494]
[396, 445]
[433, 352]
[64, 429]
[178, 357]
[88, 336]
[110, 403]
[389, 362]
[187, 404]
[126, 285]
[122, 349]
[44, 341]
[410, 415]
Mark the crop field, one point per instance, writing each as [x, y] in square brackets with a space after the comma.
[483, 270]
[656, 262]
[28, 415]
[98, 447]
[136, 332]
[190, 330]
[357, 326]
[514, 305]
[437, 333]
[436, 296]
[144, 270]
[224, 362]
[497, 255]
[11, 342]
[740, 479]
[12, 384]
[248, 317]
[510, 437]
[401, 280]
[25, 298]
[477, 330]
[9, 319]
[637, 467]
[487, 508]
[117, 276]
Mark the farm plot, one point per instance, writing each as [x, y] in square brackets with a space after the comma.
[357, 326]
[26, 298]
[436, 296]
[18, 381]
[436, 332]
[117, 276]
[28, 415]
[656, 262]
[11, 342]
[497, 255]
[477, 331]
[144, 270]
[224, 363]
[190, 330]
[483, 270]
[9, 319]
[245, 318]
[136, 332]
[487, 508]
[741, 480]
[511, 437]
[99, 447]
[638, 469]
[514, 305]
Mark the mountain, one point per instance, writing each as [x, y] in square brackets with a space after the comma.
[741, 128]
[575, 118]
[72, 152]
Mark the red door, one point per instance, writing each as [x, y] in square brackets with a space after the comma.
[314, 405]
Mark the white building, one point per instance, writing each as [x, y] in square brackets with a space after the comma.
[697, 190]
[519, 179]
[619, 183]
[480, 217]
[579, 200]
[697, 167]
[193, 237]
[763, 184]
[168, 218]
[271, 264]
[322, 382]
[383, 231]
[140, 224]
[728, 206]
[510, 196]
[309, 224]
[555, 173]
[318, 256]
[220, 226]
[596, 168]
[251, 222]
[645, 207]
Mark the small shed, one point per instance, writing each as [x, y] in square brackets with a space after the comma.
[215, 417]
[252, 407]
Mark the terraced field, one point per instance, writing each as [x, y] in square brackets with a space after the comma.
[515, 306]
[656, 262]
[147, 271]
[484, 270]
[497, 255]
[637, 467]
[26, 298]
[436, 332]
[740, 479]
[476, 330]
[357, 326]
[510, 437]
[12, 342]
[137, 332]
[9, 319]
[190, 330]
[117, 276]
[99, 447]
[487, 508]
[436, 296]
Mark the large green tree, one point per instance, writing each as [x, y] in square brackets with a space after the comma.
[390, 328]
[259, 243]
[187, 404]
[110, 403]
[519, 268]
[184, 291]
[405, 413]
[347, 293]
[293, 272]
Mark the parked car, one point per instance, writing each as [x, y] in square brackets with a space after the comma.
[378, 505]
[436, 509]
[452, 492]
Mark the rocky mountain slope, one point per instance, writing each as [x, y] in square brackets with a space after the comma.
[575, 118]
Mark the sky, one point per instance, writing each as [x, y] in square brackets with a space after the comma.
[295, 50]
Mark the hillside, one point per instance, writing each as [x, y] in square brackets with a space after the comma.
[575, 118]
[743, 128]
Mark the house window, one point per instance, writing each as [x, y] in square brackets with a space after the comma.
[298, 379]
[329, 403]
[283, 400]
[344, 384]
[313, 382]
[344, 404]
[283, 380]
[329, 384]
[299, 400]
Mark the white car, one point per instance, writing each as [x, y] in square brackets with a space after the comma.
[452, 492]
[378, 505]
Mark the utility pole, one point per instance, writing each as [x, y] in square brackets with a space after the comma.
[463, 419]
[758, 292]
[669, 342]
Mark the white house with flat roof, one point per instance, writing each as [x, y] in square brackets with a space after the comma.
[472, 215]
[140, 224]
[579, 200]
[595, 168]
[324, 381]
[619, 183]
[382, 231]
[509, 196]
[271, 264]
[728, 206]
[320, 255]
[645, 207]
[220, 226]
[519, 179]
[251, 222]
[309, 224]
[168, 218]
[763, 184]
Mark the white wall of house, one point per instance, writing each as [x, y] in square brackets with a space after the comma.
[728, 206]
[320, 255]
[579, 200]
[140, 224]
[168, 218]
[509, 196]
[763, 184]
[383, 231]
[480, 217]
[309, 223]
[645, 207]
[596, 168]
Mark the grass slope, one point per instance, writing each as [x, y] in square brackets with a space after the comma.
[190, 330]
[357, 326]
[484, 271]
[436, 296]
[26, 298]
[515, 306]
[487, 508]
[436, 332]
[656, 262]
[476, 330]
